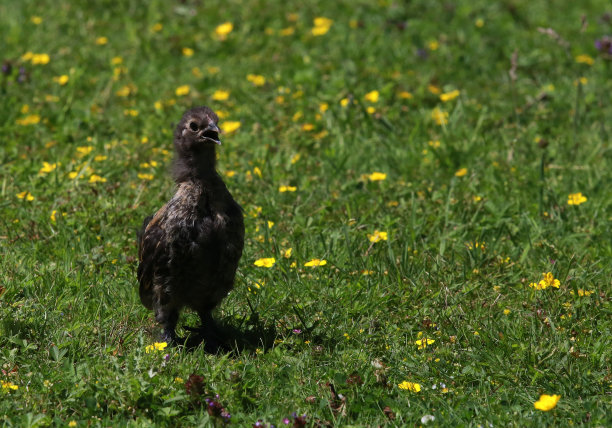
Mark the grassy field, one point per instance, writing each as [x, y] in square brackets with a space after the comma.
[412, 168]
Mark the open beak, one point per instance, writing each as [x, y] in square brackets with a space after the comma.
[211, 134]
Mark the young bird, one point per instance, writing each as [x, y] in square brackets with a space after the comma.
[189, 249]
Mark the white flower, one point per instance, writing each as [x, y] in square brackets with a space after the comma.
[427, 418]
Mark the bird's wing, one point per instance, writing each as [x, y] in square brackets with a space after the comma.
[233, 243]
[151, 251]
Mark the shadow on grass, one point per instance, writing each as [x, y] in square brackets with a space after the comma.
[249, 335]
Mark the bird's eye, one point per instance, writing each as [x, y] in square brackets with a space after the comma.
[193, 126]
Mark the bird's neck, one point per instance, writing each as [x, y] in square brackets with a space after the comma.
[200, 166]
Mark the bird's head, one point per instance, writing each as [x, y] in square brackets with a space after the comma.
[197, 130]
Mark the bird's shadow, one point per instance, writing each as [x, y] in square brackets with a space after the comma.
[250, 334]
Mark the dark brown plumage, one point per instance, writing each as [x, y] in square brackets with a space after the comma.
[189, 249]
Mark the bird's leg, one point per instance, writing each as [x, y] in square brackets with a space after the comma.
[168, 317]
[209, 331]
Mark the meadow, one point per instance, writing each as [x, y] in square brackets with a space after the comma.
[427, 199]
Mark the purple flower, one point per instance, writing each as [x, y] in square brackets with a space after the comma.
[604, 45]
[299, 421]
[194, 385]
[7, 68]
[286, 421]
[297, 330]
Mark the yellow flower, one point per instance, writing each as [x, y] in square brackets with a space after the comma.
[256, 79]
[287, 31]
[220, 95]
[124, 91]
[433, 89]
[36, 20]
[157, 27]
[284, 189]
[257, 171]
[9, 385]
[410, 386]
[230, 173]
[287, 253]
[178, 380]
[130, 112]
[157, 346]
[223, 30]
[439, 116]
[40, 59]
[100, 158]
[72, 424]
[101, 40]
[372, 96]
[550, 280]
[377, 176]
[230, 126]
[321, 26]
[307, 127]
[370, 110]
[479, 22]
[31, 119]
[25, 195]
[266, 262]
[584, 59]
[323, 107]
[84, 150]
[94, 178]
[270, 224]
[433, 45]
[506, 311]
[405, 95]
[144, 176]
[188, 52]
[377, 236]
[582, 80]
[344, 102]
[461, 172]
[546, 402]
[315, 263]
[62, 80]
[582, 292]
[576, 199]
[295, 158]
[47, 168]
[182, 90]
[448, 96]
[422, 343]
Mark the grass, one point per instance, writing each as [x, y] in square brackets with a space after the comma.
[475, 210]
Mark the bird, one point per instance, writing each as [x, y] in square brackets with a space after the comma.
[189, 250]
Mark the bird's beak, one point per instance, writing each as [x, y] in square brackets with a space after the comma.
[211, 133]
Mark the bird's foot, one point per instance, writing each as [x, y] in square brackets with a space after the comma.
[207, 335]
[172, 339]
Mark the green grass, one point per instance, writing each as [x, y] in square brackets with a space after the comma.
[73, 334]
